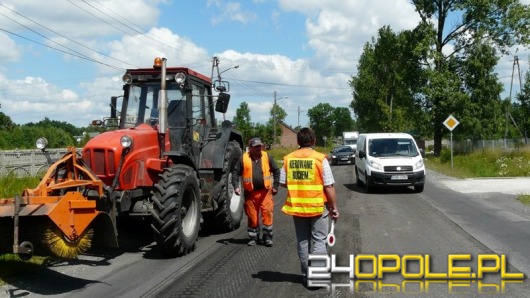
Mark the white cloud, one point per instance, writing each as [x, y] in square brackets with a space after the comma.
[232, 11]
[78, 19]
[9, 51]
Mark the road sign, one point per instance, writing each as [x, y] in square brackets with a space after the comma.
[451, 122]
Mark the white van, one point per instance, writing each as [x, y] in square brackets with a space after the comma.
[389, 159]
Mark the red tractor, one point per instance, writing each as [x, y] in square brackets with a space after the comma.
[167, 160]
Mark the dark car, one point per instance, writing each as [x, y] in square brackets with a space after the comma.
[342, 155]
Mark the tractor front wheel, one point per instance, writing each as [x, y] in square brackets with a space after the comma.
[176, 210]
[229, 213]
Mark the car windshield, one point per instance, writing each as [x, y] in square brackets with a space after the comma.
[392, 147]
[342, 149]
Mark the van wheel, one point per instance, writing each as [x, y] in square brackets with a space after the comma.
[357, 179]
[369, 183]
[418, 188]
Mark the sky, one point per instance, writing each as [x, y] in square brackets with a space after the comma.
[64, 59]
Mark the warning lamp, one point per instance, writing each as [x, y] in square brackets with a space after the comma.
[157, 63]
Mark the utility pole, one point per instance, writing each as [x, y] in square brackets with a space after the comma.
[274, 121]
[274, 111]
[507, 112]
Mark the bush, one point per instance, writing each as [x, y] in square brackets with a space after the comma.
[445, 155]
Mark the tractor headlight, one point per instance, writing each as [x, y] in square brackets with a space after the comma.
[180, 78]
[127, 79]
[42, 143]
[126, 141]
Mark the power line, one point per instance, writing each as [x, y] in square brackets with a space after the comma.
[59, 34]
[60, 50]
[160, 42]
[293, 85]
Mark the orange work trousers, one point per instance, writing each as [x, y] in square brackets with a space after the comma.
[256, 202]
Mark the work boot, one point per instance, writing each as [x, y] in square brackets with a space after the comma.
[252, 241]
[268, 241]
[267, 235]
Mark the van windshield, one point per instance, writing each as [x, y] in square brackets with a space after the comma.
[392, 147]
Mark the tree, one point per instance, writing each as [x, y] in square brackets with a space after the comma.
[322, 119]
[262, 131]
[242, 121]
[502, 23]
[343, 121]
[480, 113]
[278, 115]
[524, 110]
[6, 123]
[388, 85]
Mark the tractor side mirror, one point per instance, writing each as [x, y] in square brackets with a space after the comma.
[222, 102]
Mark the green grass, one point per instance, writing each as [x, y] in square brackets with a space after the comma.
[486, 163]
[11, 186]
[524, 199]
[11, 265]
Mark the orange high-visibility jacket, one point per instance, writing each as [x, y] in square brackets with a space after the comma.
[247, 171]
[305, 189]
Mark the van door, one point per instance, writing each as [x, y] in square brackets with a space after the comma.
[360, 163]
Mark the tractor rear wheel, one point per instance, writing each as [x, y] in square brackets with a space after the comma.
[176, 210]
[228, 215]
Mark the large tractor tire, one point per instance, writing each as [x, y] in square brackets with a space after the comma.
[228, 215]
[176, 210]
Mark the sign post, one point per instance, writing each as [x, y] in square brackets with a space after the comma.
[451, 123]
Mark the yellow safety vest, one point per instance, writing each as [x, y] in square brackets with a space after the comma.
[247, 171]
[305, 185]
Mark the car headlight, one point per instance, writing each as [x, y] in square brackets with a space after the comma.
[333, 156]
[41, 143]
[376, 165]
[126, 141]
[419, 164]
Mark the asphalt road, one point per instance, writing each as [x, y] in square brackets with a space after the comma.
[451, 216]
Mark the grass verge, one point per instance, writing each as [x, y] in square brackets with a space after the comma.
[13, 267]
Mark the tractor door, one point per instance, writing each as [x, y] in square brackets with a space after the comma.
[202, 117]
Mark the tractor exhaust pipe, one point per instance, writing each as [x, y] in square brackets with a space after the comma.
[162, 105]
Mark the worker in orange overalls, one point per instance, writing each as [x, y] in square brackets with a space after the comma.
[261, 178]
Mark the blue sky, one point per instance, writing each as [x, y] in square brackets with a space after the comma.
[63, 59]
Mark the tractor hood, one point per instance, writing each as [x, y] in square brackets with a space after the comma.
[103, 153]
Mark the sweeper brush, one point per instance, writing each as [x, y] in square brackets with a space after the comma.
[60, 200]
[61, 246]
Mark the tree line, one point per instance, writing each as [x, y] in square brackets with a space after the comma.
[414, 79]
[326, 120]
[59, 134]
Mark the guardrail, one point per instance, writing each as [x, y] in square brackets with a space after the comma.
[22, 163]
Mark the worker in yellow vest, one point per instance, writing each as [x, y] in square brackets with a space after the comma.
[260, 176]
[311, 197]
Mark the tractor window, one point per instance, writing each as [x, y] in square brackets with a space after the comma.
[142, 106]
[201, 111]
